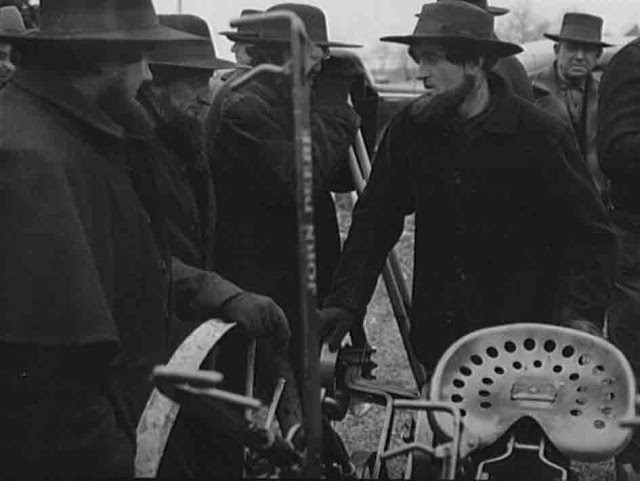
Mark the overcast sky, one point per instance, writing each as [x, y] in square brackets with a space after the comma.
[364, 21]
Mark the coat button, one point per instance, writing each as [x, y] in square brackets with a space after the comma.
[457, 178]
[461, 274]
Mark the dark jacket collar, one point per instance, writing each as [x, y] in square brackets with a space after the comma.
[58, 90]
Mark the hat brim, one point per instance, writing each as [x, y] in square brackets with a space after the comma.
[146, 36]
[239, 37]
[200, 64]
[558, 38]
[494, 47]
[497, 11]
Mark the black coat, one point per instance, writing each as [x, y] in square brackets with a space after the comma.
[508, 224]
[618, 138]
[252, 163]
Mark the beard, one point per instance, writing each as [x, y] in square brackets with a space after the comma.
[180, 127]
[444, 106]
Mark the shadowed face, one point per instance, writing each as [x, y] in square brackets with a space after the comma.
[438, 74]
[240, 51]
[191, 95]
[576, 60]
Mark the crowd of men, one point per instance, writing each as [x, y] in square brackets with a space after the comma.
[140, 195]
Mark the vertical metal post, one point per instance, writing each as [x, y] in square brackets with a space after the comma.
[180, 7]
[307, 270]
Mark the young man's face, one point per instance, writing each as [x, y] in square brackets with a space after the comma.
[6, 66]
[576, 60]
[438, 75]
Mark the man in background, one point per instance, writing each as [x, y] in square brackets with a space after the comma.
[568, 89]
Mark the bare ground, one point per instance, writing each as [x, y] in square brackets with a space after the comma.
[361, 433]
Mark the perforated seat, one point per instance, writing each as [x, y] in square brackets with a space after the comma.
[576, 386]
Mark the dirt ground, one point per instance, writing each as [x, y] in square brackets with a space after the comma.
[361, 432]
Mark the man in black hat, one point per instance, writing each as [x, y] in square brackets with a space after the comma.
[253, 166]
[85, 288]
[619, 155]
[568, 89]
[242, 39]
[508, 227]
[509, 68]
[176, 103]
[10, 22]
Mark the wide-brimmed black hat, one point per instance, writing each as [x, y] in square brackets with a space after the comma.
[113, 21]
[277, 31]
[457, 22]
[245, 32]
[580, 27]
[200, 55]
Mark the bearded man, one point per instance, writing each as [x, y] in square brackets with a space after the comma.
[508, 226]
[174, 105]
[84, 278]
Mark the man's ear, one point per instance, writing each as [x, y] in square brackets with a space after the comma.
[556, 48]
[599, 53]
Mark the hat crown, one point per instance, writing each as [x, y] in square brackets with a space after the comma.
[454, 18]
[96, 16]
[248, 28]
[187, 23]
[10, 20]
[581, 25]
[312, 17]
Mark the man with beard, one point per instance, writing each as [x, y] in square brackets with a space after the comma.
[84, 282]
[568, 88]
[175, 104]
[508, 226]
[10, 22]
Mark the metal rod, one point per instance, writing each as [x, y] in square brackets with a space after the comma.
[230, 397]
[301, 94]
[275, 402]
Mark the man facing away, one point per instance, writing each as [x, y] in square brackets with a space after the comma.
[85, 283]
[508, 226]
[568, 88]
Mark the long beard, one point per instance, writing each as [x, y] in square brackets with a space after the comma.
[444, 107]
[182, 129]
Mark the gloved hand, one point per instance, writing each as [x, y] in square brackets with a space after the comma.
[334, 81]
[259, 316]
[335, 323]
[584, 326]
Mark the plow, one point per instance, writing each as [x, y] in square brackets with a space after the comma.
[514, 400]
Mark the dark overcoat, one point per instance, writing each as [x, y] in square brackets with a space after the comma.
[508, 224]
[85, 282]
[253, 167]
[547, 91]
[80, 267]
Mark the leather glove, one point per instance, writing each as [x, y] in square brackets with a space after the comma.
[335, 79]
[259, 316]
[584, 326]
[335, 323]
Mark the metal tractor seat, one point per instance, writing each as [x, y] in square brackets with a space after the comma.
[576, 386]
